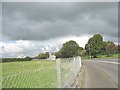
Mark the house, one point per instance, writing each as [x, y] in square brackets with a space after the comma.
[20, 56]
[51, 56]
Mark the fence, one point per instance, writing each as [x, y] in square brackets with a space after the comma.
[29, 74]
[41, 74]
[67, 70]
[0, 74]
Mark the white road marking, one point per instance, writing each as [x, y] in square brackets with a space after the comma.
[104, 61]
[109, 62]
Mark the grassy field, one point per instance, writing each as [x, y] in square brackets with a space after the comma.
[29, 74]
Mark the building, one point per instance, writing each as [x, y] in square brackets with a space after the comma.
[21, 56]
[51, 56]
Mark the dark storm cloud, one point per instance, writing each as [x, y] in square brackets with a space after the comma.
[42, 21]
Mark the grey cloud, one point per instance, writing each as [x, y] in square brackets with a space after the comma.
[42, 21]
[51, 11]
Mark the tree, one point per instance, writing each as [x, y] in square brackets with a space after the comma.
[43, 55]
[103, 49]
[118, 48]
[82, 53]
[95, 45]
[110, 48]
[87, 48]
[58, 54]
[28, 58]
[69, 49]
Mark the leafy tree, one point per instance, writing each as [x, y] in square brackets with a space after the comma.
[103, 49]
[58, 54]
[43, 55]
[69, 49]
[110, 48]
[47, 54]
[82, 53]
[87, 48]
[95, 45]
[118, 48]
[27, 58]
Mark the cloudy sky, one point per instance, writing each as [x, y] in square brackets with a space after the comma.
[29, 28]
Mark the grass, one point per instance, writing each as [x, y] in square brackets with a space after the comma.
[103, 56]
[29, 74]
[112, 56]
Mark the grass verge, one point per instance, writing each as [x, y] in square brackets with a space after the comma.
[114, 56]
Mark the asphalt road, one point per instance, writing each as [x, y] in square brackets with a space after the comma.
[101, 73]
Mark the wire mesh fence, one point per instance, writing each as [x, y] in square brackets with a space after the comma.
[0, 74]
[43, 75]
[67, 71]
[40, 74]
[29, 80]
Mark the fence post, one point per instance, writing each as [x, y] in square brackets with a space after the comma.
[58, 64]
[74, 66]
[80, 61]
[0, 74]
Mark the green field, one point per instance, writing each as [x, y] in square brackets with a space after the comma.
[29, 74]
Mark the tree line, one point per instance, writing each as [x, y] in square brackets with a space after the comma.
[94, 47]
[16, 59]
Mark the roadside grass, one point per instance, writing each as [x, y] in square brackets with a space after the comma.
[115, 56]
[112, 56]
[86, 57]
[29, 74]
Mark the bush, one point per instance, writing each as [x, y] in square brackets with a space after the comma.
[16, 59]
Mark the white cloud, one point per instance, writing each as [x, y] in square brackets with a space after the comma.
[32, 48]
[32, 28]
[81, 40]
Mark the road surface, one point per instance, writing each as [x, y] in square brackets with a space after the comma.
[101, 73]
